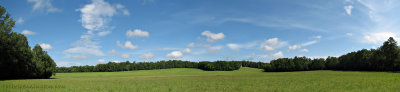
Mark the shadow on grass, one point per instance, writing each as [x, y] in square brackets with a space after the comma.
[25, 79]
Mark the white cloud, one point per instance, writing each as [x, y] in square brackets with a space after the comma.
[175, 54]
[234, 47]
[277, 55]
[211, 37]
[93, 50]
[317, 37]
[294, 47]
[137, 33]
[272, 41]
[123, 9]
[268, 48]
[377, 38]
[112, 53]
[348, 9]
[147, 56]
[214, 49]
[349, 34]
[101, 61]
[309, 43]
[43, 5]
[203, 45]
[191, 44]
[94, 18]
[96, 15]
[237, 47]
[104, 33]
[125, 56]
[80, 57]
[27, 32]
[128, 45]
[187, 50]
[272, 44]
[304, 50]
[20, 20]
[46, 46]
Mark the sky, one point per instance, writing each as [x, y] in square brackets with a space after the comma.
[89, 32]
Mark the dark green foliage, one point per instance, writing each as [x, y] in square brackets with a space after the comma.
[17, 60]
[127, 66]
[385, 58]
[331, 63]
[219, 65]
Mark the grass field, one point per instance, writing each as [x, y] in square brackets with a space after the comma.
[189, 80]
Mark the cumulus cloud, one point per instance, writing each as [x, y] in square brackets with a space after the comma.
[234, 47]
[101, 61]
[43, 5]
[277, 55]
[191, 44]
[104, 33]
[27, 32]
[80, 57]
[175, 54]
[46, 46]
[123, 9]
[268, 48]
[147, 56]
[379, 37]
[237, 47]
[112, 52]
[272, 44]
[137, 33]
[317, 37]
[294, 47]
[127, 45]
[97, 14]
[211, 37]
[348, 9]
[94, 17]
[187, 50]
[304, 50]
[125, 56]
[214, 49]
[89, 49]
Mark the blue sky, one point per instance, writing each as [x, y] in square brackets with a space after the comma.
[88, 32]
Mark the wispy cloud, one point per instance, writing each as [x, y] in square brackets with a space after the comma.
[44, 5]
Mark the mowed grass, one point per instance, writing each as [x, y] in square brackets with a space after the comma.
[195, 80]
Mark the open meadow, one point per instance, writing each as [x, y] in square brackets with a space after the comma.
[189, 80]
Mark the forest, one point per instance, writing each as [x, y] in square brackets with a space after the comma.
[130, 66]
[17, 59]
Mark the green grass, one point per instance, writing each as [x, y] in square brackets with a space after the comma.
[192, 80]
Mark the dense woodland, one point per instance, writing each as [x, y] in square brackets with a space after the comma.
[129, 66]
[17, 59]
[384, 58]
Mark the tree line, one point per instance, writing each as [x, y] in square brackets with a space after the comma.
[384, 58]
[17, 59]
[130, 66]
